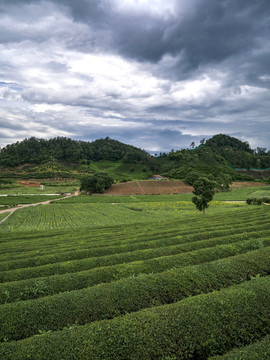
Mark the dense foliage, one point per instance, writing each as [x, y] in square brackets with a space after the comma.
[204, 190]
[238, 153]
[36, 151]
[65, 158]
[96, 183]
[218, 157]
[173, 287]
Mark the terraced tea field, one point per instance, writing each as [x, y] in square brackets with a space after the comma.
[66, 214]
[150, 280]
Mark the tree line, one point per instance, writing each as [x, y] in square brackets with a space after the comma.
[37, 151]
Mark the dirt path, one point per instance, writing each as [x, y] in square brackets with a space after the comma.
[47, 202]
[234, 201]
[140, 187]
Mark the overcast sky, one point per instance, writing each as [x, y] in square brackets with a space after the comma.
[157, 74]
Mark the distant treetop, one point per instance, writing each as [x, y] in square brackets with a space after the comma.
[224, 141]
[37, 151]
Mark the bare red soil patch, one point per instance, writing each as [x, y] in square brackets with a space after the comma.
[242, 184]
[28, 183]
[149, 187]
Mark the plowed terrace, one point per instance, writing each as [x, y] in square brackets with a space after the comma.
[149, 187]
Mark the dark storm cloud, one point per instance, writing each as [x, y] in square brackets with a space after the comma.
[161, 79]
[209, 32]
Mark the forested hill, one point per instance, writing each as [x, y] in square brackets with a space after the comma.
[62, 149]
[238, 153]
[219, 154]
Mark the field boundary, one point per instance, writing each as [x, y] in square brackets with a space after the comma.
[47, 202]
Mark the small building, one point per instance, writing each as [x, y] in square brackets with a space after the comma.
[158, 177]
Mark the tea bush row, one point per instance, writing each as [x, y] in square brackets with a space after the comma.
[49, 239]
[259, 350]
[194, 328]
[33, 288]
[23, 319]
[97, 260]
[121, 247]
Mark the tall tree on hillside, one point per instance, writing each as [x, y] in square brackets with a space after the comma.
[204, 190]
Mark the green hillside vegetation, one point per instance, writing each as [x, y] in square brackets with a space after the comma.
[69, 159]
[133, 277]
[238, 153]
[217, 157]
[152, 286]
[66, 158]
[37, 151]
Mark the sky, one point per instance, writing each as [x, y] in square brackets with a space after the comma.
[155, 74]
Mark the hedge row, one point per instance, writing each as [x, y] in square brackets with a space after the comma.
[34, 288]
[100, 260]
[258, 201]
[48, 240]
[85, 240]
[23, 319]
[63, 243]
[260, 350]
[194, 328]
[122, 247]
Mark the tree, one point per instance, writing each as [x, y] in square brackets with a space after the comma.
[204, 190]
[192, 177]
[202, 141]
[96, 183]
[223, 182]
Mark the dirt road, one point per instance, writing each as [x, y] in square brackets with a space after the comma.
[47, 202]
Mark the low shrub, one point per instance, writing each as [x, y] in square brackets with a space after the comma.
[258, 201]
[23, 319]
[105, 247]
[20, 290]
[62, 267]
[260, 350]
[194, 328]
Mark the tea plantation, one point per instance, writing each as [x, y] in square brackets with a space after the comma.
[151, 279]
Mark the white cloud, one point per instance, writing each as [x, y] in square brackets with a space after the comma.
[60, 75]
[155, 7]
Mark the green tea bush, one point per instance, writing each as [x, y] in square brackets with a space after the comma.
[260, 350]
[124, 246]
[258, 201]
[84, 264]
[23, 319]
[194, 328]
[20, 290]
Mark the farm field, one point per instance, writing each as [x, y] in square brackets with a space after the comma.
[50, 188]
[235, 194]
[11, 200]
[149, 187]
[64, 215]
[140, 277]
[2, 216]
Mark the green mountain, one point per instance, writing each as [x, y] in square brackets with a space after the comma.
[238, 153]
[62, 149]
[218, 156]
[63, 157]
